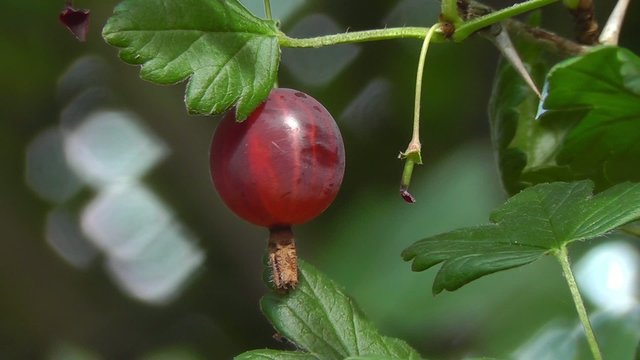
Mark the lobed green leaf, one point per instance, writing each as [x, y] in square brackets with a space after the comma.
[319, 318]
[268, 354]
[368, 357]
[230, 56]
[602, 89]
[538, 220]
[587, 125]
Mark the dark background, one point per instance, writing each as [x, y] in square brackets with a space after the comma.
[52, 309]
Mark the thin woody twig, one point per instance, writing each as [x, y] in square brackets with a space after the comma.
[471, 9]
[586, 23]
[550, 40]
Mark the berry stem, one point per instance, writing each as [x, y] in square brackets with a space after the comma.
[563, 258]
[412, 154]
[283, 259]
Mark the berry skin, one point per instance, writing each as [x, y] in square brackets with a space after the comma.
[280, 167]
[283, 165]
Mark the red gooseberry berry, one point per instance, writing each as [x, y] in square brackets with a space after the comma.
[280, 167]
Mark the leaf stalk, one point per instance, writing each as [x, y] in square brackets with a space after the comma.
[269, 16]
[355, 37]
[563, 258]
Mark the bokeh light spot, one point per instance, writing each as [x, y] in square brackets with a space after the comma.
[161, 269]
[365, 113]
[112, 146]
[64, 235]
[47, 171]
[317, 67]
[608, 276]
[122, 220]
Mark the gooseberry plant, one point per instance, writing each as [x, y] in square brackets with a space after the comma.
[567, 153]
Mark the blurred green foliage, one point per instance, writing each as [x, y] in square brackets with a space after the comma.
[49, 308]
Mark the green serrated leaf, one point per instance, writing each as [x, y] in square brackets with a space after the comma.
[230, 55]
[602, 89]
[525, 148]
[538, 220]
[368, 357]
[268, 354]
[318, 317]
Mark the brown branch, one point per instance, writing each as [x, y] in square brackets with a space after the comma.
[471, 9]
[586, 23]
[550, 40]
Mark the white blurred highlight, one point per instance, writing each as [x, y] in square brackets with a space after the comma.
[64, 235]
[608, 275]
[111, 146]
[147, 252]
[160, 269]
[328, 62]
[123, 219]
[47, 171]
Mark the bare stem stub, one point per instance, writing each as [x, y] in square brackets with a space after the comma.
[283, 259]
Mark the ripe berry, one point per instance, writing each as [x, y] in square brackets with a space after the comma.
[282, 166]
